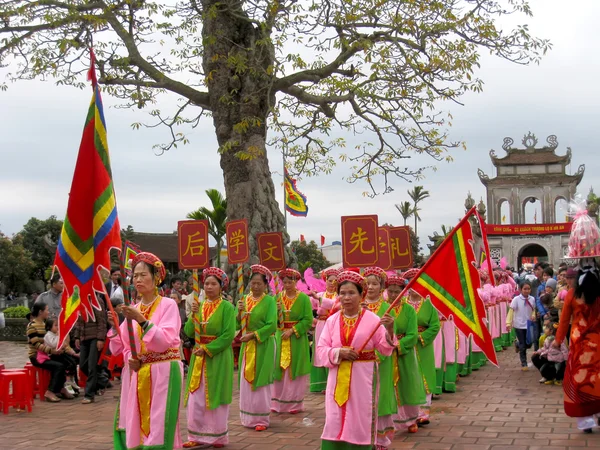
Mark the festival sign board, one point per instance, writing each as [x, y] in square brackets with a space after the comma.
[400, 248]
[536, 228]
[360, 238]
[385, 255]
[238, 248]
[271, 251]
[194, 249]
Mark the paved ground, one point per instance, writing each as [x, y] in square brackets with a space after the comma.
[493, 409]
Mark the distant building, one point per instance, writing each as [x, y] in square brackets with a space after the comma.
[523, 176]
[333, 252]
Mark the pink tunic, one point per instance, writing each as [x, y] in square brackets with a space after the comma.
[438, 345]
[162, 335]
[463, 348]
[356, 421]
[503, 313]
[323, 309]
[449, 330]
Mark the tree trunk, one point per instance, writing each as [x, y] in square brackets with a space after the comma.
[416, 217]
[241, 94]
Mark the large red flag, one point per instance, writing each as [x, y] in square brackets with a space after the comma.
[91, 226]
[450, 279]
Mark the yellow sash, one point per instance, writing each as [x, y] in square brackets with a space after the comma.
[144, 375]
[250, 357]
[342, 383]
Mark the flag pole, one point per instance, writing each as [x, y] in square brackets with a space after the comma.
[472, 211]
[284, 193]
[486, 246]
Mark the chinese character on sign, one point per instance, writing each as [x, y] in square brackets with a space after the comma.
[238, 251]
[270, 250]
[400, 249]
[385, 257]
[360, 241]
[193, 244]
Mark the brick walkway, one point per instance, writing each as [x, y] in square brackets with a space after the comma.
[493, 409]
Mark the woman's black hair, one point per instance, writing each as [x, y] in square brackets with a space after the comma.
[523, 283]
[262, 275]
[589, 289]
[55, 278]
[358, 286]
[49, 324]
[115, 270]
[174, 280]
[37, 308]
[549, 271]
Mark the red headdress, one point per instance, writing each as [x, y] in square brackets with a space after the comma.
[377, 272]
[353, 277]
[325, 274]
[218, 274]
[289, 273]
[396, 280]
[154, 261]
[257, 268]
[350, 269]
[410, 273]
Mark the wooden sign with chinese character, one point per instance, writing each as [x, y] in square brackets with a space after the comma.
[270, 250]
[400, 249]
[194, 249]
[360, 238]
[385, 256]
[238, 250]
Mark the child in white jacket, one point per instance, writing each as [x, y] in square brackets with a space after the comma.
[68, 357]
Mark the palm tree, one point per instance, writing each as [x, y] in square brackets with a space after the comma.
[417, 195]
[405, 209]
[216, 218]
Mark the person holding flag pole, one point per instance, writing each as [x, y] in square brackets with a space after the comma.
[210, 377]
[257, 318]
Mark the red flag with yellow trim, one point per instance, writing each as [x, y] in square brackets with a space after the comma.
[450, 279]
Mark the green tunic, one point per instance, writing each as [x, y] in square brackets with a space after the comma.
[300, 312]
[387, 396]
[263, 323]
[219, 353]
[427, 318]
[410, 386]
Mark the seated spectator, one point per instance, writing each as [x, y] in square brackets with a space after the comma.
[550, 361]
[36, 330]
[69, 358]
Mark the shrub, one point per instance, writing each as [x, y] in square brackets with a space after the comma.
[16, 312]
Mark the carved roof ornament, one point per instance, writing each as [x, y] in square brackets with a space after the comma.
[529, 141]
[469, 202]
[531, 154]
[481, 209]
[482, 176]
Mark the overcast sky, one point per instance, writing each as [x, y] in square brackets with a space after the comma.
[41, 127]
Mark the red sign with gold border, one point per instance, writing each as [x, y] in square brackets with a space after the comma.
[360, 238]
[400, 248]
[236, 235]
[270, 250]
[385, 256]
[536, 228]
[194, 249]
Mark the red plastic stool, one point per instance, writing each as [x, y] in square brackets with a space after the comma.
[39, 379]
[20, 395]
